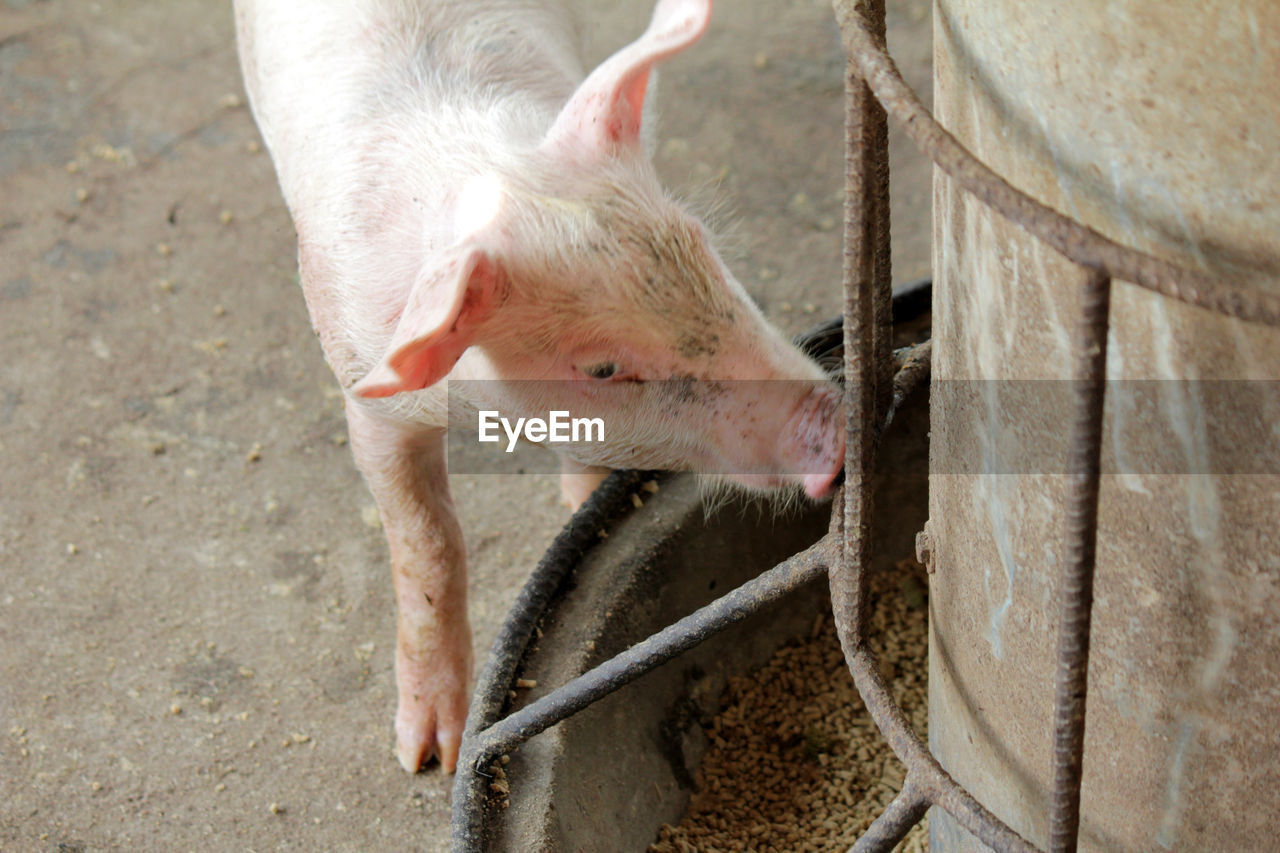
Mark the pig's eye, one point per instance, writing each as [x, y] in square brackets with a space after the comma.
[603, 370]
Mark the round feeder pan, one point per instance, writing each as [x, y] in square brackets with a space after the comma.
[646, 550]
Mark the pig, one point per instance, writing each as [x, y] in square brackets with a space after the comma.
[470, 205]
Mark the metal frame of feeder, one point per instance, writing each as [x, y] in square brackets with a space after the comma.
[875, 382]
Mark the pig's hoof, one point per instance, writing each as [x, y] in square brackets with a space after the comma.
[429, 722]
[410, 755]
[432, 687]
[416, 745]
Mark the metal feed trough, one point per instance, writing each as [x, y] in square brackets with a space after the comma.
[876, 382]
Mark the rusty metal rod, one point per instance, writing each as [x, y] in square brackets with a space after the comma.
[566, 700]
[866, 229]
[1075, 592]
[875, 135]
[914, 364]
[936, 784]
[865, 237]
[864, 42]
[895, 821]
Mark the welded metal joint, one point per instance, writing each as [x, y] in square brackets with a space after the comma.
[924, 548]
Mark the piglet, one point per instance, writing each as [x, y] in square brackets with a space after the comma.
[469, 207]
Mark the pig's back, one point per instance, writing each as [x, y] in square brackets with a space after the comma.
[375, 112]
[441, 76]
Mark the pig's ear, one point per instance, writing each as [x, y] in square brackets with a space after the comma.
[606, 109]
[445, 306]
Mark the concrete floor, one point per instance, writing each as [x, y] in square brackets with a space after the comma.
[196, 623]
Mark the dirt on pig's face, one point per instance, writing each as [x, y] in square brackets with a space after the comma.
[617, 305]
[618, 275]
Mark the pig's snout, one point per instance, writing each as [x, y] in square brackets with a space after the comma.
[804, 446]
[813, 443]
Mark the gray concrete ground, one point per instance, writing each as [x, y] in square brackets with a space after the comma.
[196, 620]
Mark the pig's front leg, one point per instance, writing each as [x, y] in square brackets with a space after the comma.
[578, 481]
[405, 470]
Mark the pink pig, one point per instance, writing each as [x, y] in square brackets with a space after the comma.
[468, 207]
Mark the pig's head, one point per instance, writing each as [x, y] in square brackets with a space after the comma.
[571, 263]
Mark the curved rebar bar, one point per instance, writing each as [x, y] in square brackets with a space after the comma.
[893, 824]
[937, 785]
[625, 667]
[1075, 241]
[866, 264]
[868, 400]
[610, 501]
